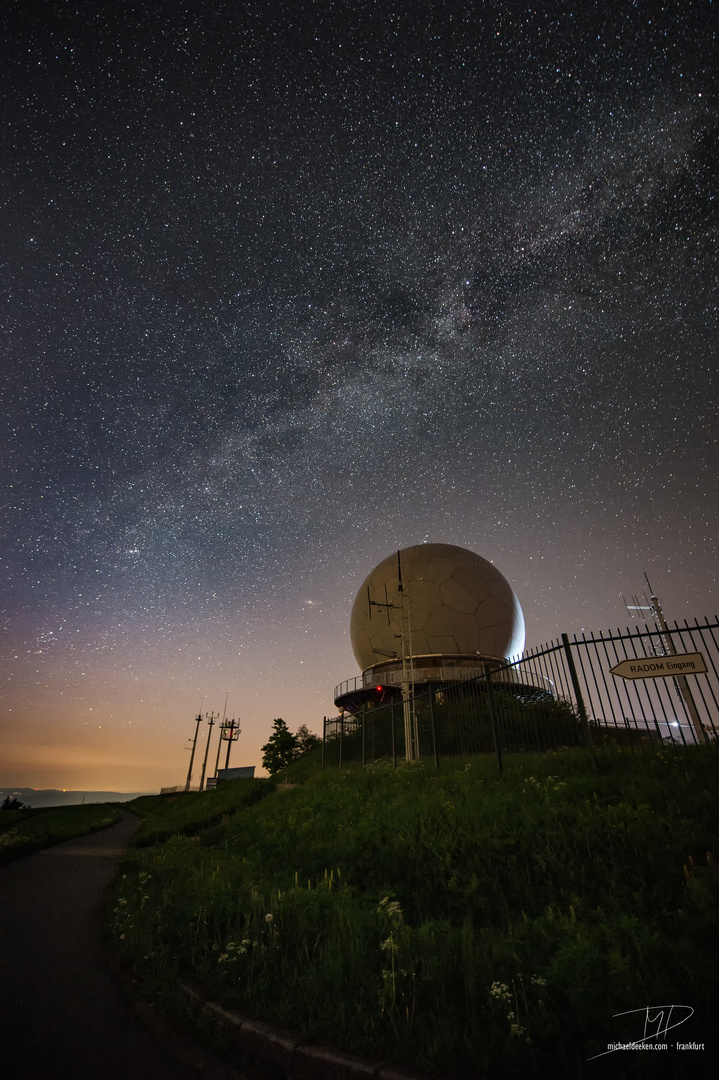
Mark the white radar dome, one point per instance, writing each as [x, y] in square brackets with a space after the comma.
[458, 604]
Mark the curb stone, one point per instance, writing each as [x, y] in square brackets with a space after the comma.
[395, 1072]
[185, 1052]
[178, 1044]
[269, 1045]
[285, 1055]
[324, 1063]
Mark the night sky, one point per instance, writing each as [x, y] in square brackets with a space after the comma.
[288, 286]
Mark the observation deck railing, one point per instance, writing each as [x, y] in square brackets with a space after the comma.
[517, 674]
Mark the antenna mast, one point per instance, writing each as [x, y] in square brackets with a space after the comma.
[405, 624]
[654, 608]
[410, 720]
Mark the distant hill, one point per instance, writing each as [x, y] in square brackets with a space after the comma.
[37, 797]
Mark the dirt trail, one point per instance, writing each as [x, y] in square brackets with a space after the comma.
[63, 1012]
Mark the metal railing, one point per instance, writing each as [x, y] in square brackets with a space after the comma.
[444, 673]
[612, 690]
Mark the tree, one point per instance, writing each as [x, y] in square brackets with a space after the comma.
[11, 803]
[281, 749]
[306, 739]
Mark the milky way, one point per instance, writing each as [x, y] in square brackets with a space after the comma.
[288, 286]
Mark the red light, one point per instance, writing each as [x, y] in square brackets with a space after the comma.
[380, 689]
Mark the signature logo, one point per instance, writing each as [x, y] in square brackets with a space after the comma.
[657, 1020]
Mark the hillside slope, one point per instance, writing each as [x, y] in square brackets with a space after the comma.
[463, 922]
[27, 830]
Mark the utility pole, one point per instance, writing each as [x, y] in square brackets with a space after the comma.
[210, 719]
[222, 728]
[231, 734]
[198, 721]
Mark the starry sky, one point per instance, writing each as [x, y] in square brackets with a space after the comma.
[288, 286]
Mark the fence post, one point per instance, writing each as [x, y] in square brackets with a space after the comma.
[495, 737]
[394, 748]
[324, 736]
[434, 734]
[364, 736]
[578, 696]
[342, 731]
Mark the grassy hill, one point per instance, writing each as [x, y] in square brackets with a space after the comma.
[25, 831]
[462, 922]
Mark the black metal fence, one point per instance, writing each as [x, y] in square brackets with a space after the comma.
[617, 690]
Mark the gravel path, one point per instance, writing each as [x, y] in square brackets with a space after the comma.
[63, 1013]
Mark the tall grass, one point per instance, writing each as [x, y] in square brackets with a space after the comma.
[461, 921]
